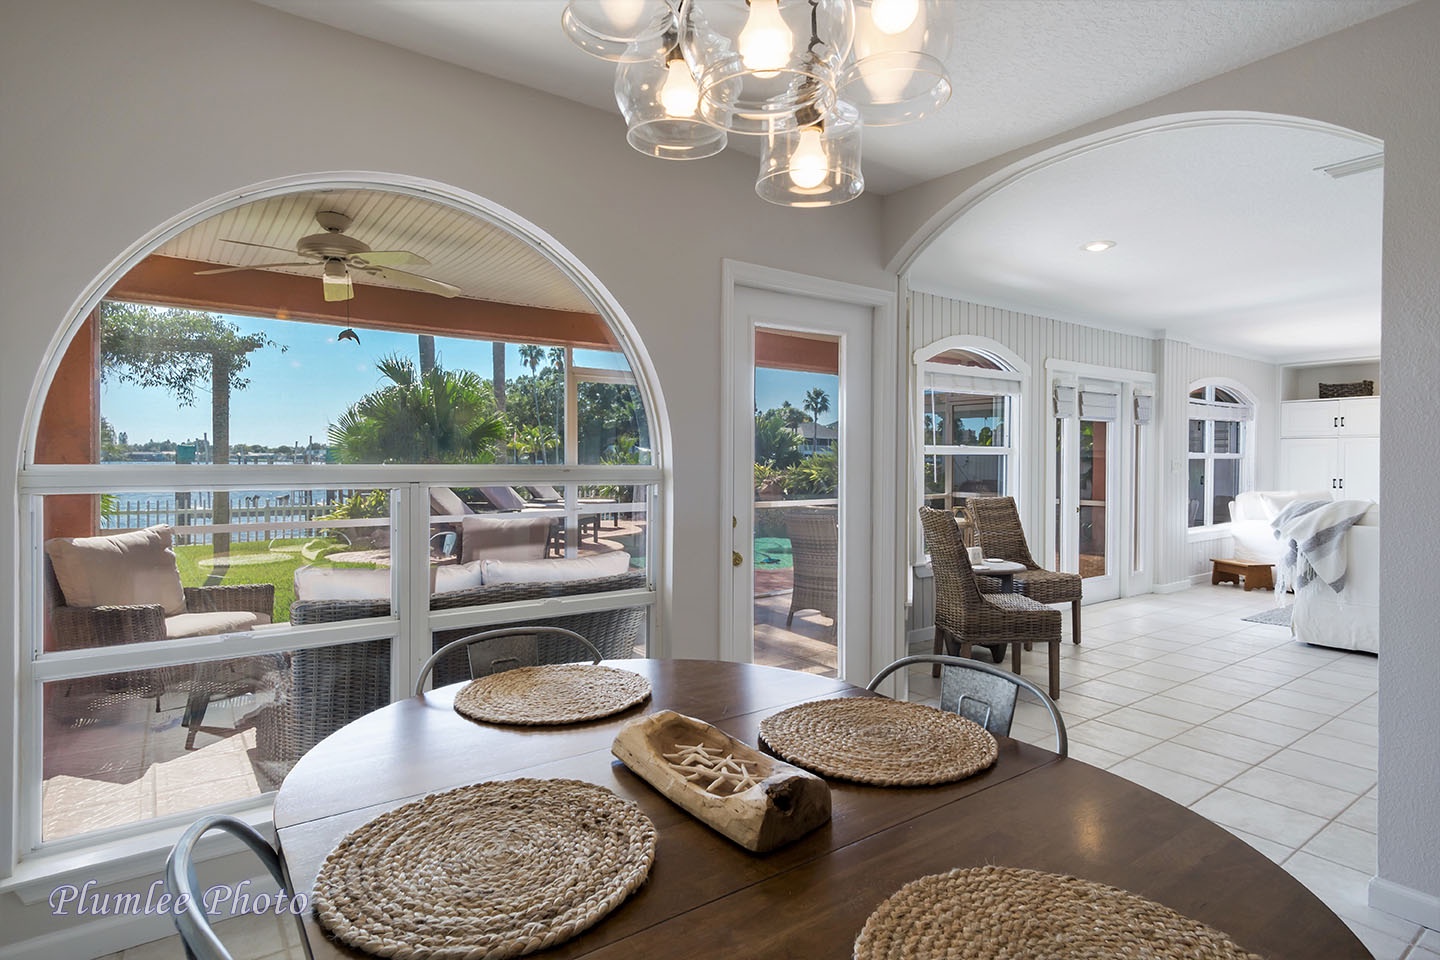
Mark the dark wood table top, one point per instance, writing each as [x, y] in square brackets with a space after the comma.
[707, 897]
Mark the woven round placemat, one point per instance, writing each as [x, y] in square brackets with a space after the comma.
[552, 694]
[490, 870]
[1004, 913]
[878, 740]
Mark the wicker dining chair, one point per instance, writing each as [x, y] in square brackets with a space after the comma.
[965, 616]
[815, 549]
[997, 525]
[495, 651]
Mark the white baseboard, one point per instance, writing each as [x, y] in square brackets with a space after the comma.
[1175, 586]
[1405, 902]
[84, 941]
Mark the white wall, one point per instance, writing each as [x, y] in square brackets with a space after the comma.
[116, 117]
[1378, 78]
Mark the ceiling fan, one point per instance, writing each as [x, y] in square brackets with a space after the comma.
[340, 253]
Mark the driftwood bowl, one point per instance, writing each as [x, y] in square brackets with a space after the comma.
[754, 799]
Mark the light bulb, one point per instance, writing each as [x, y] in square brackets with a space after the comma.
[624, 15]
[765, 43]
[894, 16]
[678, 93]
[809, 164]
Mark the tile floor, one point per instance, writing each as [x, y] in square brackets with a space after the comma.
[1273, 740]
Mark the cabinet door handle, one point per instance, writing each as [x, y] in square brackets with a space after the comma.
[1335, 422]
[1342, 421]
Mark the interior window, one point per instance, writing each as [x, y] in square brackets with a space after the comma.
[1218, 453]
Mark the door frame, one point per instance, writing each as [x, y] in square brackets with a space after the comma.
[886, 626]
[1134, 574]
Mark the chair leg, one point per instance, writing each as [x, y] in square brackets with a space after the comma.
[1015, 656]
[964, 649]
[939, 649]
[1055, 670]
[1075, 620]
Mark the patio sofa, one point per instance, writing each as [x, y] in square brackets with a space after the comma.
[326, 688]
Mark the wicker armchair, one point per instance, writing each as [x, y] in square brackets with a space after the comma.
[77, 628]
[327, 687]
[997, 524]
[815, 548]
[965, 616]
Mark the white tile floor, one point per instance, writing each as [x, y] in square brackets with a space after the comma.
[1273, 740]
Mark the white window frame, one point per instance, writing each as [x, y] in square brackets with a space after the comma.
[1209, 410]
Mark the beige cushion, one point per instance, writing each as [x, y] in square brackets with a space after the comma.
[455, 576]
[550, 571]
[330, 583]
[207, 624]
[126, 568]
[503, 538]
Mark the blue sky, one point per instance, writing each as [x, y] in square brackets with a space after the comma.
[293, 395]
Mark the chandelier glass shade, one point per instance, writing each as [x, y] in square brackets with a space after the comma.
[804, 75]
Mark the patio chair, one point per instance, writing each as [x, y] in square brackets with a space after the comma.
[183, 885]
[495, 651]
[997, 525]
[815, 550]
[125, 588]
[965, 616]
[980, 692]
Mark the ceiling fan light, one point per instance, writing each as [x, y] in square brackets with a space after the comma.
[761, 66]
[619, 30]
[816, 166]
[660, 103]
[337, 283]
[898, 75]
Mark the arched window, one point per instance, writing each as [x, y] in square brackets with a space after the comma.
[1220, 416]
[293, 450]
[968, 418]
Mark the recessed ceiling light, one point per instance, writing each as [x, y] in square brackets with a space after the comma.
[1097, 246]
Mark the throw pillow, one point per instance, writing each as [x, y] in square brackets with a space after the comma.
[122, 569]
[338, 583]
[553, 571]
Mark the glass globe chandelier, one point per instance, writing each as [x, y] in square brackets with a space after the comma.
[805, 75]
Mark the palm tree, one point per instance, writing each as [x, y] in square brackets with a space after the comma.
[817, 401]
[442, 416]
[532, 356]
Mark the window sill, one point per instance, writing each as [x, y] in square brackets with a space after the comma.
[118, 861]
[1218, 531]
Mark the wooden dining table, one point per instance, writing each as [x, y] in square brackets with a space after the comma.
[707, 897]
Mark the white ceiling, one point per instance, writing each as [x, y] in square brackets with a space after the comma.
[1024, 70]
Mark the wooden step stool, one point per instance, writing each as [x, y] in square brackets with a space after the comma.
[1232, 571]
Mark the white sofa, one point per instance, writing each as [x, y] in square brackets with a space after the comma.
[1349, 620]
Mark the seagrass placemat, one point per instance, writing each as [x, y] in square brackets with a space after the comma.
[1004, 913]
[551, 694]
[878, 740]
[490, 870]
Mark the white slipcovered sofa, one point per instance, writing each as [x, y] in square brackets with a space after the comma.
[1348, 620]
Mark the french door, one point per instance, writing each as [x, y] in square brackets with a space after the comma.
[801, 468]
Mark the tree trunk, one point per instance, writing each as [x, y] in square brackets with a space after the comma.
[499, 363]
[220, 453]
[427, 354]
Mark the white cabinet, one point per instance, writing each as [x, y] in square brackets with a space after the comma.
[1331, 445]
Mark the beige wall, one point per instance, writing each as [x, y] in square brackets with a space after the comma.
[1378, 78]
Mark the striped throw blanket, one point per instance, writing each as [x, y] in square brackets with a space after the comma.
[1314, 535]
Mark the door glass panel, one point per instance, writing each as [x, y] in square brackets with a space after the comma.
[1094, 498]
[796, 501]
[1227, 436]
[1226, 487]
[1196, 497]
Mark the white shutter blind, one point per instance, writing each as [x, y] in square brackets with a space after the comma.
[1095, 405]
[1144, 408]
[965, 383]
[1201, 410]
[1065, 404]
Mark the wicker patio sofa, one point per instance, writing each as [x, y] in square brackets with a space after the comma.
[326, 688]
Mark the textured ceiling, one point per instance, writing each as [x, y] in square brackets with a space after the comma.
[486, 262]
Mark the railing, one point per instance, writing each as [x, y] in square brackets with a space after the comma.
[267, 516]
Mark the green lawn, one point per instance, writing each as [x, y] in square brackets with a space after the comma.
[273, 561]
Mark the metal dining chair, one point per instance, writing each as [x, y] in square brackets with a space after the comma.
[980, 692]
[505, 648]
[199, 937]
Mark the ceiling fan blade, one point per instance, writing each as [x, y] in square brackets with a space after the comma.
[414, 281]
[262, 246]
[389, 258]
[257, 266]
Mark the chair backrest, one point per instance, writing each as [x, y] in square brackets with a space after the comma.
[494, 651]
[502, 497]
[955, 586]
[980, 692]
[814, 538]
[445, 502]
[198, 936]
[544, 494]
[997, 525]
